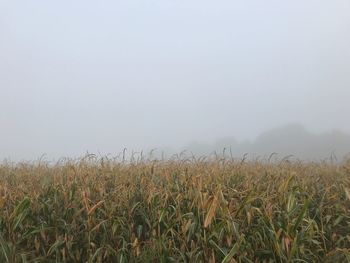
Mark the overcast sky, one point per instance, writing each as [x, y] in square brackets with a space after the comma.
[102, 75]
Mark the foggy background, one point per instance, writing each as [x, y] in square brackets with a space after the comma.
[98, 76]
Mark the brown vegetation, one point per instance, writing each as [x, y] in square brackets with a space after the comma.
[99, 210]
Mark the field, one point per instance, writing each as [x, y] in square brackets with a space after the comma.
[180, 210]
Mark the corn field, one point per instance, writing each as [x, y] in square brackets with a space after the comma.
[179, 210]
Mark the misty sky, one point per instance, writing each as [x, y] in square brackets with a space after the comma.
[103, 75]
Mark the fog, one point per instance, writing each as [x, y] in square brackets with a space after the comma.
[290, 142]
[98, 76]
